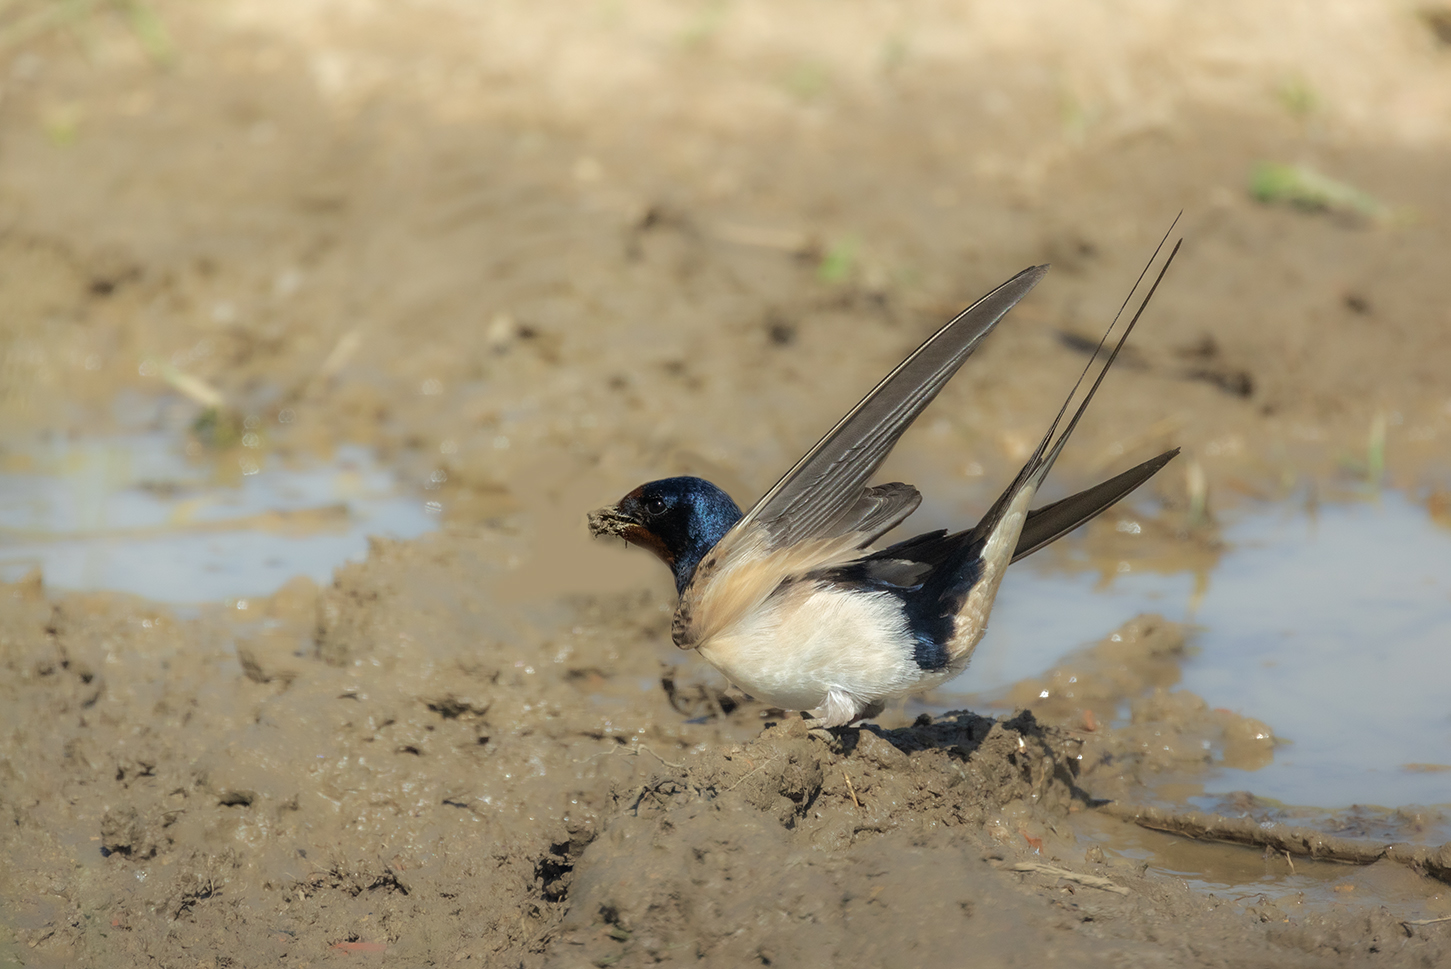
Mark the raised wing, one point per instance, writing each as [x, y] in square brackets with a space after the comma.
[821, 514]
[822, 495]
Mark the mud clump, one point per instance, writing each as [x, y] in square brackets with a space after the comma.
[802, 836]
[124, 832]
[1170, 733]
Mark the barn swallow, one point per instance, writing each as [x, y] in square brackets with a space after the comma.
[791, 602]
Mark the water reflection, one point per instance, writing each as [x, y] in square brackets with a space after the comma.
[132, 514]
[1333, 627]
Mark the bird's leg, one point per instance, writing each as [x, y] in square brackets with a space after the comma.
[818, 727]
[713, 698]
[871, 711]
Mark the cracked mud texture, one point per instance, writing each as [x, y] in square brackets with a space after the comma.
[533, 256]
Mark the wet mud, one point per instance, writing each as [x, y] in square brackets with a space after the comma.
[531, 257]
[380, 767]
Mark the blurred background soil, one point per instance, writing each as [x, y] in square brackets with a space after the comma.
[533, 254]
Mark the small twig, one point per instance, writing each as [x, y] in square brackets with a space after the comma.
[753, 770]
[1444, 918]
[1291, 861]
[342, 352]
[1289, 839]
[1088, 881]
[191, 385]
[850, 789]
[658, 757]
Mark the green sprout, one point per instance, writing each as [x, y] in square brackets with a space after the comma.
[217, 428]
[1375, 450]
[1197, 485]
[705, 24]
[28, 21]
[1074, 114]
[62, 124]
[1304, 188]
[837, 264]
[808, 81]
[1374, 466]
[1298, 97]
[894, 52]
[150, 32]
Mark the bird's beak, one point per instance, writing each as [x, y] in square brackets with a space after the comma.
[611, 521]
[615, 521]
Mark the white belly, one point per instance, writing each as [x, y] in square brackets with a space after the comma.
[814, 646]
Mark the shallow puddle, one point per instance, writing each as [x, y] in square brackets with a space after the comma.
[134, 514]
[1334, 628]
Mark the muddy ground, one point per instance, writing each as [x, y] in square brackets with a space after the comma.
[533, 255]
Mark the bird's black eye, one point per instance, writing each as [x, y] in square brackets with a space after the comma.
[655, 505]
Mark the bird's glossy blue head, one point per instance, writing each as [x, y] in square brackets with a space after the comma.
[679, 519]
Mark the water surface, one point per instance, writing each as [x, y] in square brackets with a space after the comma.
[133, 513]
[1333, 627]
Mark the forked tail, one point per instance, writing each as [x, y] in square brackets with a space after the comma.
[1053, 521]
[1010, 530]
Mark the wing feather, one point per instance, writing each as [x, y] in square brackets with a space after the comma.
[879, 510]
[816, 498]
[821, 513]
